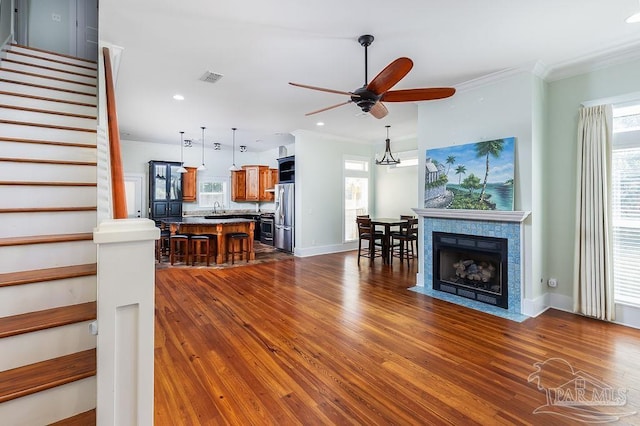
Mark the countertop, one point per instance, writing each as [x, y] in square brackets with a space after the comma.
[205, 221]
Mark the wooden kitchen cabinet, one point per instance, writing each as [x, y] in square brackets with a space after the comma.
[268, 180]
[190, 184]
[252, 183]
[238, 185]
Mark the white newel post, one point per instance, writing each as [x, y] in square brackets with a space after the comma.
[126, 304]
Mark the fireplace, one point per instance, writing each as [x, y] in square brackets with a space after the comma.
[471, 266]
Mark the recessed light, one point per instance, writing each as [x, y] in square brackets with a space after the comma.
[319, 123]
[178, 97]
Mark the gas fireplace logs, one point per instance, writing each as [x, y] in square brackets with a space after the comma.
[469, 270]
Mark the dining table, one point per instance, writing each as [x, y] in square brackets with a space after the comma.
[387, 223]
[218, 227]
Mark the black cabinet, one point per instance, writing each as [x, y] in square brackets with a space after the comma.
[165, 190]
[287, 169]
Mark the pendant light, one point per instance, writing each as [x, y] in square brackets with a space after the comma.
[387, 158]
[233, 166]
[182, 169]
[202, 166]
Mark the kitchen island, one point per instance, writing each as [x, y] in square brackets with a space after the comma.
[218, 227]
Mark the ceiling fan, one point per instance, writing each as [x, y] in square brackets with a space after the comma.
[369, 97]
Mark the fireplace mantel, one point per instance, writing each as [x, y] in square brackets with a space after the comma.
[488, 215]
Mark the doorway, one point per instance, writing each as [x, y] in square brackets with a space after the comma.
[68, 27]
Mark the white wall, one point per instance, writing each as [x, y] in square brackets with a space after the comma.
[44, 32]
[565, 97]
[502, 106]
[319, 191]
[396, 189]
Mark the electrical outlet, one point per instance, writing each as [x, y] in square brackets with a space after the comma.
[56, 17]
[553, 282]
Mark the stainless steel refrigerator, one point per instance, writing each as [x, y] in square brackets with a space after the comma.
[284, 217]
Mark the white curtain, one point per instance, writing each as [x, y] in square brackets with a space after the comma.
[593, 284]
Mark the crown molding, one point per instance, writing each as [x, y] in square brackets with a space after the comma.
[600, 59]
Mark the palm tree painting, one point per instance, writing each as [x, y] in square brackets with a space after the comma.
[484, 171]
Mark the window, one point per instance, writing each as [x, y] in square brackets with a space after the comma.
[212, 190]
[356, 194]
[625, 196]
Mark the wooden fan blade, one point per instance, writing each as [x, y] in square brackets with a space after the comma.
[322, 89]
[330, 107]
[410, 95]
[390, 75]
[378, 110]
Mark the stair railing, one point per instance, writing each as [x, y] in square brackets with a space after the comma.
[117, 173]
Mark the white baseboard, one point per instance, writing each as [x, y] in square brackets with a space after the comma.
[627, 315]
[334, 248]
[534, 307]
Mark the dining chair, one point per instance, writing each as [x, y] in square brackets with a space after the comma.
[406, 237]
[375, 240]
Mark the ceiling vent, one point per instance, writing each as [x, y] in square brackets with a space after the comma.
[210, 77]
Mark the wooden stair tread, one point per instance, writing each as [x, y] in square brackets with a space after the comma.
[45, 239]
[43, 67]
[49, 274]
[48, 126]
[45, 98]
[41, 161]
[42, 86]
[45, 142]
[55, 61]
[88, 418]
[49, 209]
[48, 374]
[48, 318]
[48, 77]
[47, 111]
[50, 52]
[26, 183]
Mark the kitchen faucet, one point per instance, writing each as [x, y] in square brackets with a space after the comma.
[216, 204]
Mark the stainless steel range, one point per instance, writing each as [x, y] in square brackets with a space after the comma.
[267, 227]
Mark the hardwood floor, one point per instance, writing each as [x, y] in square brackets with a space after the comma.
[317, 341]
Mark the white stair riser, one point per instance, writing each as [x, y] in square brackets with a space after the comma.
[42, 256]
[51, 405]
[48, 196]
[47, 82]
[46, 118]
[47, 133]
[46, 152]
[47, 93]
[23, 102]
[30, 172]
[26, 224]
[30, 348]
[19, 299]
[83, 78]
[47, 55]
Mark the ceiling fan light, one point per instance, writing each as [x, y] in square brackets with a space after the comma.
[182, 170]
[202, 167]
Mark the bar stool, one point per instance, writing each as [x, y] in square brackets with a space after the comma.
[199, 248]
[179, 248]
[240, 238]
[162, 244]
[213, 245]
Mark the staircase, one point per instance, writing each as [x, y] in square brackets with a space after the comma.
[48, 199]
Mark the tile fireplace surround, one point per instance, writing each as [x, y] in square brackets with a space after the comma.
[498, 224]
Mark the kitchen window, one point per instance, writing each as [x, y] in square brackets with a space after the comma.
[212, 190]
